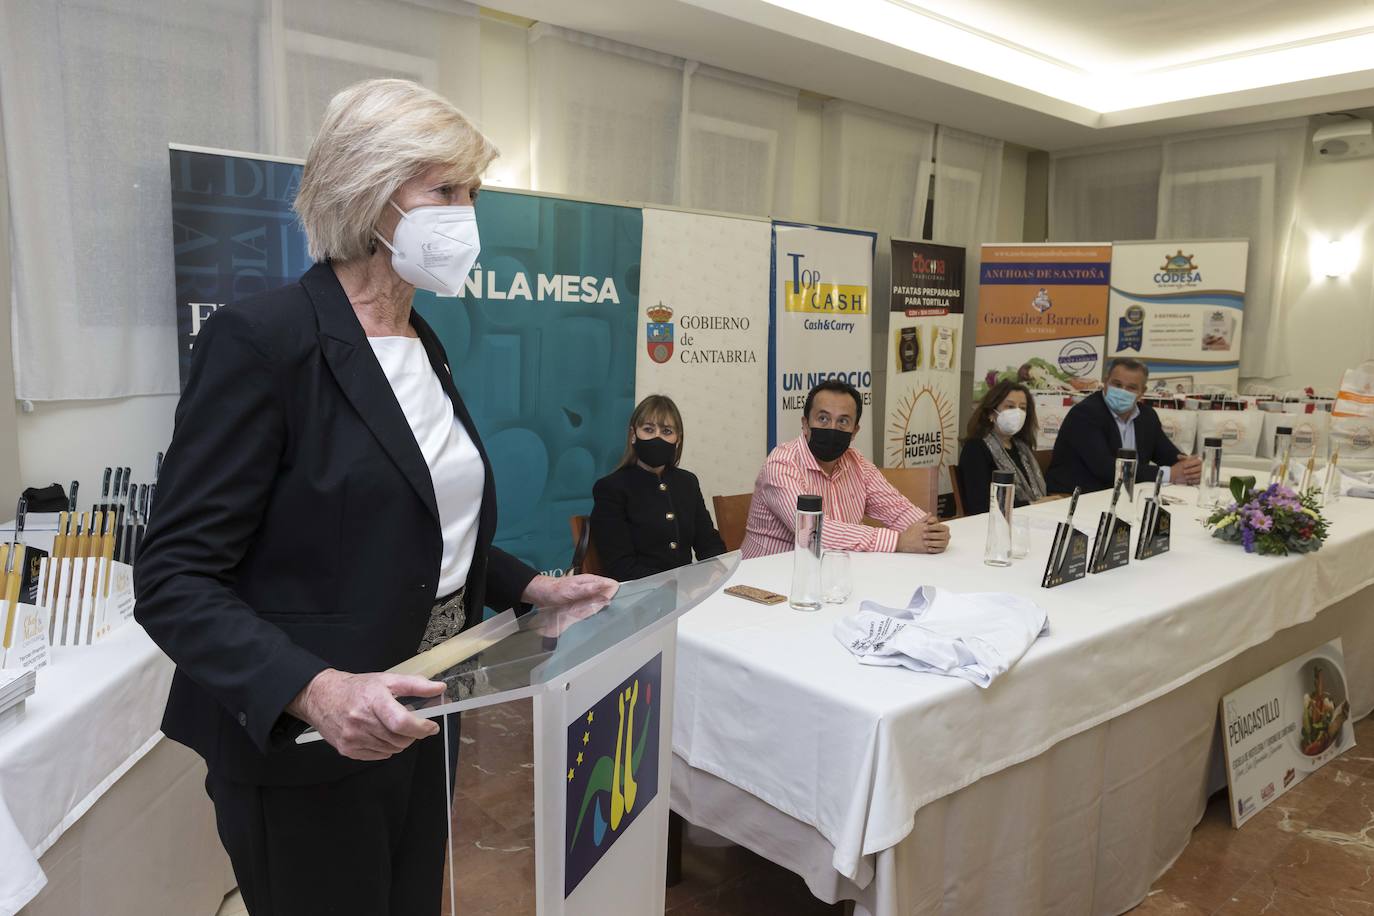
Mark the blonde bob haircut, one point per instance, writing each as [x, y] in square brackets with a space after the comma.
[376, 136]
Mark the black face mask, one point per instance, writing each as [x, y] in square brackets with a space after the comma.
[655, 452]
[828, 444]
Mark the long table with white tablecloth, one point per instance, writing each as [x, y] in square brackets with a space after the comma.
[1066, 786]
[99, 814]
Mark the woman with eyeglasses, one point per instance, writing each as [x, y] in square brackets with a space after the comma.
[649, 514]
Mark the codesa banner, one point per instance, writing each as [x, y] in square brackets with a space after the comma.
[923, 355]
[822, 321]
[703, 339]
[1179, 307]
[541, 344]
[1042, 316]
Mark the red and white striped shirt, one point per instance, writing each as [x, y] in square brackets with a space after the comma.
[856, 488]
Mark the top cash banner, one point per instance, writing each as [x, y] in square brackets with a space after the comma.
[1179, 307]
[542, 343]
[1042, 316]
[821, 319]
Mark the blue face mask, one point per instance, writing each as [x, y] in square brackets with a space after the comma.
[1119, 400]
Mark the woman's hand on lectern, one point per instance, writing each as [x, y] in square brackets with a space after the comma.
[564, 600]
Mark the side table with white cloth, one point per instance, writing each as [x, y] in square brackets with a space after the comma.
[1068, 785]
[100, 815]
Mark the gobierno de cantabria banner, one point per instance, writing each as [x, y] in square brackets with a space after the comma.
[541, 343]
[821, 320]
[703, 339]
[1180, 307]
[1042, 316]
[925, 323]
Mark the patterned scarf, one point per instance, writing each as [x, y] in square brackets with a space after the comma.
[1030, 483]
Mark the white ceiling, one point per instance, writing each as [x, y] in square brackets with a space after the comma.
[1048, 74]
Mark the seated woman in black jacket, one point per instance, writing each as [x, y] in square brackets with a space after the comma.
[1001, 437]
[648, 514]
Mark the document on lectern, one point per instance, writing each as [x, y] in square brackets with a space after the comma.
[508, 657]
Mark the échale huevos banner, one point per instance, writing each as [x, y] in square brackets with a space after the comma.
[703, 340]
[925, 324]
[1179, 307]
[822, 293]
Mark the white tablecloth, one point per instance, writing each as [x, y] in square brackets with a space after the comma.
[94, 715]
[769, 702]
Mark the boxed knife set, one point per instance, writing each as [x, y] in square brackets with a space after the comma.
[1155, 522]
[23, 642]
[1069, 552]
[83, 586]
[1112, 543]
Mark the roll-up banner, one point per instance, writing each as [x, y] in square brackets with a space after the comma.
[923, 357]
[1042, 316]
[703, 340]
[1180, 308]
[541, 344]
[822, 289]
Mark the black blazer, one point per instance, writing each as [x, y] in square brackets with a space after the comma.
[1085, 452]
[642, 524]
[295, 529]
[975, 475]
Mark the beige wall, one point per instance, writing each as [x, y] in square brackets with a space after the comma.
[1329, 323]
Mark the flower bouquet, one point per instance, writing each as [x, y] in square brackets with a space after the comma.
[1275, 520]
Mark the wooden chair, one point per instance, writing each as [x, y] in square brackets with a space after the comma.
[956, 485]
[585, 558]
[732, 514]
[920, 485]
[1042, 458]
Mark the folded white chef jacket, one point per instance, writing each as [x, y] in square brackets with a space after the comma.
[975, 636]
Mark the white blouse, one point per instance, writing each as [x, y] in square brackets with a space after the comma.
[455, 467]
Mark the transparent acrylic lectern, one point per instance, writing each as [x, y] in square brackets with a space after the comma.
[602, 689]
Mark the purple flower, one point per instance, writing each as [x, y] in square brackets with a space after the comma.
[1247, 538]
[1261, 522]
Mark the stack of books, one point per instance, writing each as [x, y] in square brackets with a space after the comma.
[16, 685]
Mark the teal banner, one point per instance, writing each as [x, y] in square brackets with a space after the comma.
[542, 344]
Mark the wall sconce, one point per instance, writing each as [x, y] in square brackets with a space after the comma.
[1335, 257]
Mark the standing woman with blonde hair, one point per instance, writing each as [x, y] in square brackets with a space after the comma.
[325, 511]
[649, 516]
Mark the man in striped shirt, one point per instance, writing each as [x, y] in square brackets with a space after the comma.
[820, 462]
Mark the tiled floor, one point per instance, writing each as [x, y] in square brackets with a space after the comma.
[1310, 854]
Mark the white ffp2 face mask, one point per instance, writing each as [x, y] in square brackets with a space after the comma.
[1010, 421]
[433, 248]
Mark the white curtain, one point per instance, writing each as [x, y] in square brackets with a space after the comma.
[875, 169]
[604, 118]
[875, 174]
[93, 91]
[968, 180]
[1241, 184]
[1106, 195]
[738, 141]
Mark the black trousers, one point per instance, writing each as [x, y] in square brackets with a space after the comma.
[370, 844]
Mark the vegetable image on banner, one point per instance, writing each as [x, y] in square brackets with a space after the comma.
[1179, 307]
[923, 363]
[821, 320]
[541, 344]
[704, 320]
[1042, 316]
[612, 769]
